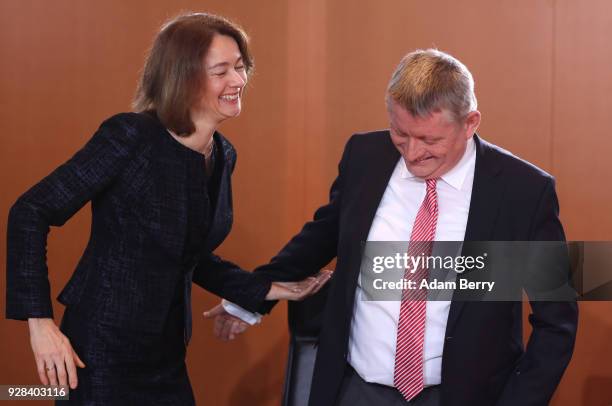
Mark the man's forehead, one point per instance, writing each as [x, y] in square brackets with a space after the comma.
[400, 118]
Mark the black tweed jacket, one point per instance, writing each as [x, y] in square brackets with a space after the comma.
[128, 273]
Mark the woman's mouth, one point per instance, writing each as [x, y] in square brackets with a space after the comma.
[230, 98]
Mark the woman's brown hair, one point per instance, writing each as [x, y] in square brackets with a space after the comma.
[172, 77]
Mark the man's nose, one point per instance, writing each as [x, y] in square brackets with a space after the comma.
[412, 149]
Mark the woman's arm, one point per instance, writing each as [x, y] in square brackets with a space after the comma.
[51, 202]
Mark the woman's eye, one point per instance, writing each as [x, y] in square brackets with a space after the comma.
[241, 67]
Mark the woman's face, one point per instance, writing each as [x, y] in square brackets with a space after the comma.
[225, 77]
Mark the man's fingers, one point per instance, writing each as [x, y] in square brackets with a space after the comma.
[306, 291]
[323, 279]
[42, 372]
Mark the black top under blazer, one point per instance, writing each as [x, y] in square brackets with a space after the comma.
[484, 362]
[127, 276]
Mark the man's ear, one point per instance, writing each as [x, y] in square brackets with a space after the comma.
[472, 121]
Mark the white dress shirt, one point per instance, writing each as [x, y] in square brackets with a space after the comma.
[373, 332]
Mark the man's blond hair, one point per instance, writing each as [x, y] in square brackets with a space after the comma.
[426, 81]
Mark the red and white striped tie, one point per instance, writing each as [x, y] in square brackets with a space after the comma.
[408, 376]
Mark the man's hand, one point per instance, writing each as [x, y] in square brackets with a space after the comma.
[299, 290]
[226, 327]
[55, 358]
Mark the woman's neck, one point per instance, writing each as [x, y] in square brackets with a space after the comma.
[201, 140]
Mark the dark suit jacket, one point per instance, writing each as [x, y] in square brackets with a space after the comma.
[129, 271]
[484, 362]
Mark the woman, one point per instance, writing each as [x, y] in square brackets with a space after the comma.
[159, 182]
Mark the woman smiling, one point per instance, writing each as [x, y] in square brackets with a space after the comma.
[159, 180]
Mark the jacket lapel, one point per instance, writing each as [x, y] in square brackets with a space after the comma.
[487, 194]
[162, 210]
[223, 215]
[170, 202]
[366, 197]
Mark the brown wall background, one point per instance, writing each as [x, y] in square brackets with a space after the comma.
[543, 81]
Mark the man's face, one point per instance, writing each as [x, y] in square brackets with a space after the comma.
[432, 145]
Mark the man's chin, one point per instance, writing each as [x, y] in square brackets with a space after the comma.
[421, 171]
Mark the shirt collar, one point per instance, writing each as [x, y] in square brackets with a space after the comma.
[456, 176]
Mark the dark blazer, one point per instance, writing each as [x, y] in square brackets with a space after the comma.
[128, 274]
[484, 362]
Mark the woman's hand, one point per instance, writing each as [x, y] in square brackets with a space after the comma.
[299, 290]
[227, 327]
[55, 358]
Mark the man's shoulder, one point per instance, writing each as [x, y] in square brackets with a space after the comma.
[371, 137]
[371, 142]
[508, 161]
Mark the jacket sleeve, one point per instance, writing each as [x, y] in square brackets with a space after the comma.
[51, 202]
[315, 245]
[551, 344]
[227, 280]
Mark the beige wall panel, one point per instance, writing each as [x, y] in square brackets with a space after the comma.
[582, 105]
[581, 162]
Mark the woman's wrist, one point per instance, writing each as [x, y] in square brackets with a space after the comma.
[34, 322]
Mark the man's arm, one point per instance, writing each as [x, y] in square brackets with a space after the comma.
[316, 244]
[305, 254]
[551, 344]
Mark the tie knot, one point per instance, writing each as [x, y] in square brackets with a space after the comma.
[431, 183]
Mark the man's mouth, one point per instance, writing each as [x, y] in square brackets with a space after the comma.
[422, 160]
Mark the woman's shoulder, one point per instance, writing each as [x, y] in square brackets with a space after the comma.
[134, 122]
[129, 130]
[227, 148]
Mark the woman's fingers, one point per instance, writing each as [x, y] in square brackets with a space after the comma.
[71, 370]
[60, 369]
[242, 327]
[78, 360]
[226, 329]
[50, 370]
[42, 372]
[233, 329]
[218, 326]
[218, 310]
[55, 357]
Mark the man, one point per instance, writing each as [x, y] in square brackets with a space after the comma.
[429, 178]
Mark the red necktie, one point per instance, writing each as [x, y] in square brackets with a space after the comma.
[408, 376]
